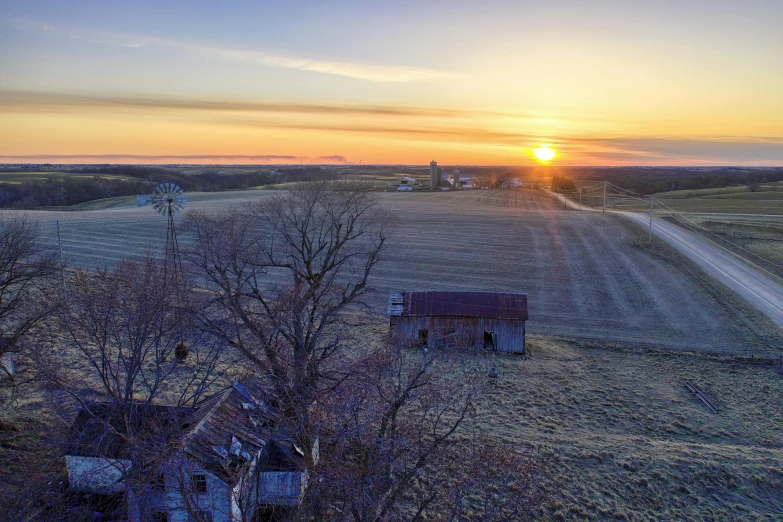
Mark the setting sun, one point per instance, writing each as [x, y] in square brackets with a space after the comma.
[544, 154]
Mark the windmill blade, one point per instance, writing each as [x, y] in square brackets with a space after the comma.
[166, 197]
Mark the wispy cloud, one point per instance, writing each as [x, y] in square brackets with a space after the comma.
[159, 158]
[383, 73]
[357, 69]
[728, 150]
[436, 133]
[11, 100]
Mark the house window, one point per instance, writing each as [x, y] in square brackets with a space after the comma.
[200, 516]
[199, 481]
[160, 516]
[159, 482]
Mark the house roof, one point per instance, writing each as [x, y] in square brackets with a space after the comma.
[229, 427]
[106, 430]
[494, 305]
[238, 421]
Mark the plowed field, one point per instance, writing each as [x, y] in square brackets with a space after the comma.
[588, 275]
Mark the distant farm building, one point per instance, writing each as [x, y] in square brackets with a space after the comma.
[406, 184]
[461, 182]
[488, 320]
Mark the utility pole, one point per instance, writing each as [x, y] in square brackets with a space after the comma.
[649, 239]
[604, 207]
[62, 264]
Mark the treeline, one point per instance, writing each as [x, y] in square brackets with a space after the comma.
[562, 184]
[92, 183]
[213, 181]
[57, 192]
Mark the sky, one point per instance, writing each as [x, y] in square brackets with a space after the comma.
[605, 82]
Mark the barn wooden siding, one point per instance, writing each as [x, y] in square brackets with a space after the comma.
[454, 331]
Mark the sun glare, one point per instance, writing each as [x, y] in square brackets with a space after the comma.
[544, 154]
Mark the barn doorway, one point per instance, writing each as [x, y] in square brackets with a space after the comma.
[489, 340]
[423, 334]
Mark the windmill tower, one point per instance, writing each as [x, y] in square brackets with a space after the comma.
[168, 199]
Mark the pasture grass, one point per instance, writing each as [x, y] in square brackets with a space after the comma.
[768, 200]
[689, 205]
[626, 440]
[738, 192]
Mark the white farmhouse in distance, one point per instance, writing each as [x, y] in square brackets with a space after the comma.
[458, 181]
[513, 183]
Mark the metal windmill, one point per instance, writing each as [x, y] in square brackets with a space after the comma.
[168, 199]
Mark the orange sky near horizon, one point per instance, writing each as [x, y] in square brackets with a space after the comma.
[616, 84]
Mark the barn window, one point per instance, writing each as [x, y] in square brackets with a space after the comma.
[489, 339]
[199, 481]
[423, 334]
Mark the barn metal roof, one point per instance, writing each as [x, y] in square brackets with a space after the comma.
[493, 305]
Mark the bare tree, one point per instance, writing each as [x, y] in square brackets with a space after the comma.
[390, 423]
[129, 326]
[26, 298]
[284, 272]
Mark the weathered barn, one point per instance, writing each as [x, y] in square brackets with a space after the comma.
[490, 320]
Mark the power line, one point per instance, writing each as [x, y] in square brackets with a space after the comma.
[695, 226]
[692, 226]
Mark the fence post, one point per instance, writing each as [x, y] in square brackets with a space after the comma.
[649, 239]
[62, 263]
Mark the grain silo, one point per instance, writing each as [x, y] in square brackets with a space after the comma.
[434, 176]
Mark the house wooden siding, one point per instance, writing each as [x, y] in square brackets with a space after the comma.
[508, 335]
[282, 488]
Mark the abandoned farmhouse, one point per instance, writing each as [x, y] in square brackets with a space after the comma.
[229, 458]
[488, 320]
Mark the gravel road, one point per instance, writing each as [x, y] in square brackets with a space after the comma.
[752, 283]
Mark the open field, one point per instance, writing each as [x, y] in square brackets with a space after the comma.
[587, 275]
[19, 177]
[772, 190]
[628, 441]
[768, 200]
